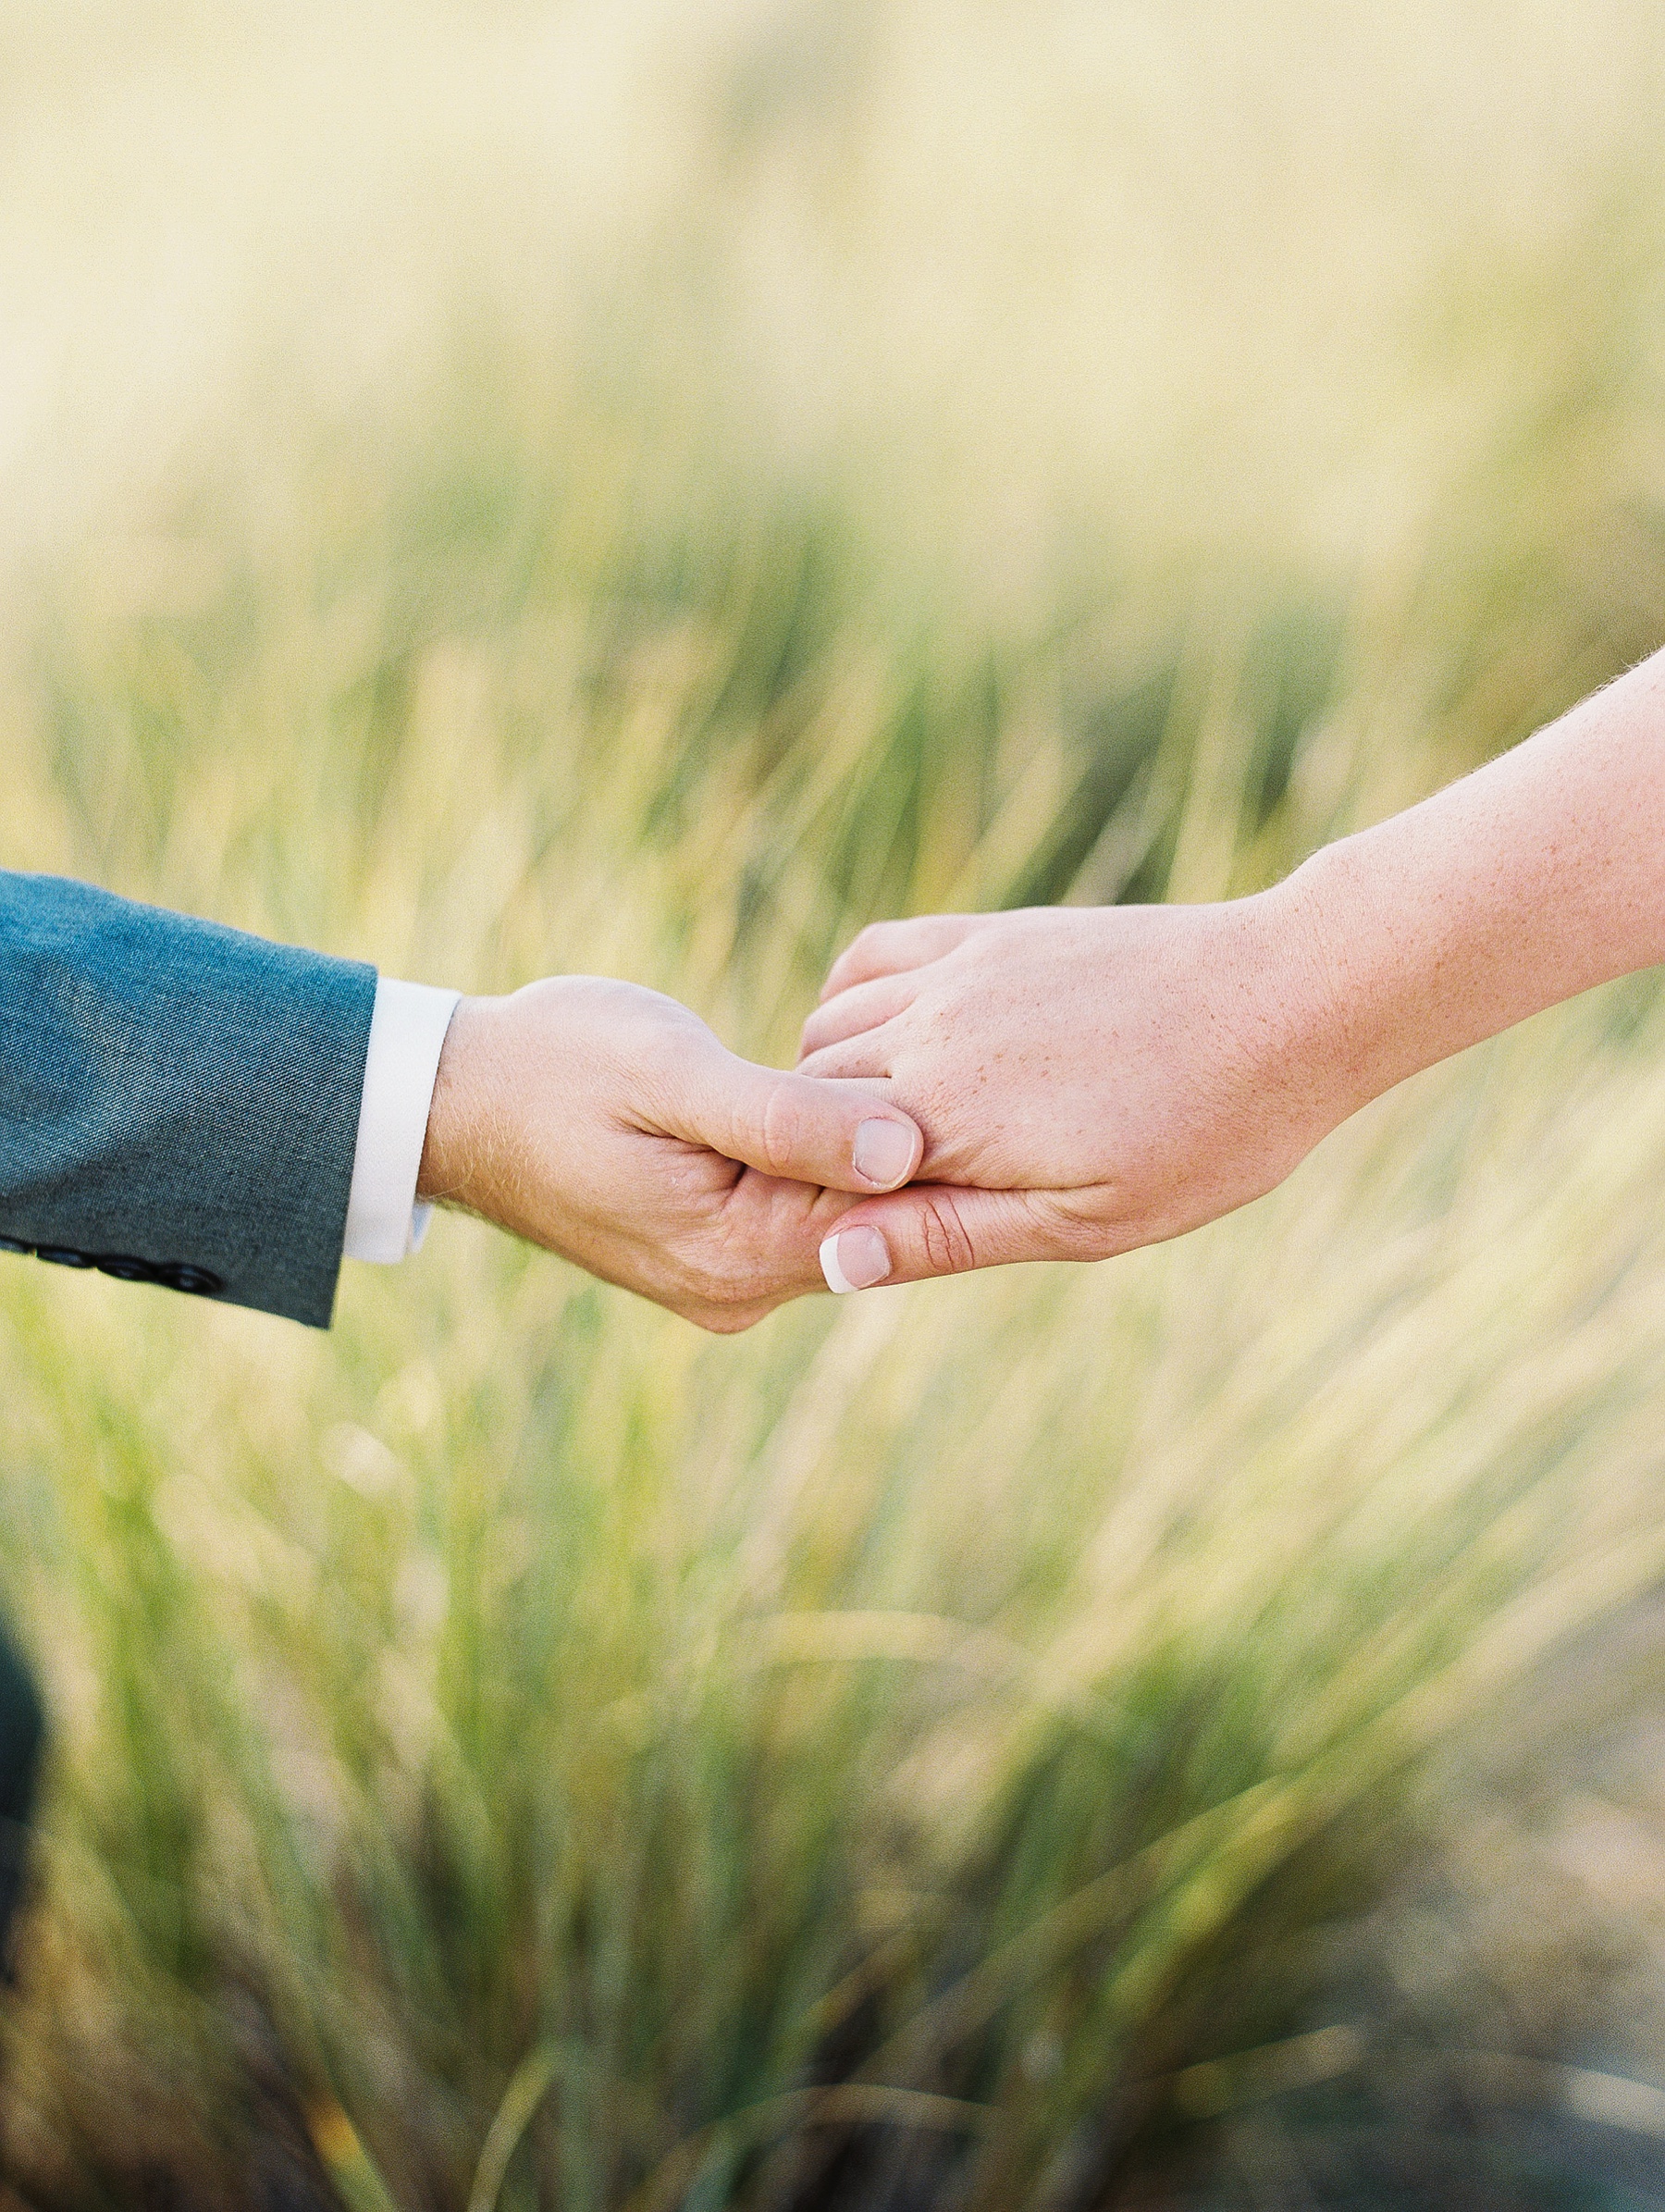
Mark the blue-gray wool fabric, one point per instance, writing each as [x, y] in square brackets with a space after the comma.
[178, 1102]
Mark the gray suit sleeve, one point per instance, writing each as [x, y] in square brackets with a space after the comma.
[178, 1102]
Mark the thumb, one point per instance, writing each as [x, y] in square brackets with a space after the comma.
[938, 1228]
[838, 1136]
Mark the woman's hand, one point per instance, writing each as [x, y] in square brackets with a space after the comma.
[1088, 1078]
[1117, 1075]
[607, 1123]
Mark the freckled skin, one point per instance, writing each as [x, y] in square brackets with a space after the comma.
[1092, 1078]
[1166, 1100]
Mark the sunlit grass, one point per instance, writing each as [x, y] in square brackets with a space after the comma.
[516, 1751]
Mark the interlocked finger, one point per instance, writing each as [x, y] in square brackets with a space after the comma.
[892, 948]
[862, 1007]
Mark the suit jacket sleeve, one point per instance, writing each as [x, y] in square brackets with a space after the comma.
[178, 1102]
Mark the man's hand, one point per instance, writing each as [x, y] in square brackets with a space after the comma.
[1088, 1078]
[607, 1123]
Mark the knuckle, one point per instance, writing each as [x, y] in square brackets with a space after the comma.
[713, 1285]
[723, 1281]
[723, 1302]
[719, 1320]
[948, 1245]
[784, 1131]
[862, 955]
[1085, 1240]
[736, 1320]
[1082, 1234]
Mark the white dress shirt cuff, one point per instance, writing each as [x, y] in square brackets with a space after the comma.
[407, 1031]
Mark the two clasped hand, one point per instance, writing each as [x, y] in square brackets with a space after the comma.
[1060, 1084]
[1063, 1084]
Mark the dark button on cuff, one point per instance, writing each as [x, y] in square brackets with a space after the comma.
[179, 1275]
[123, 1267]
[170, 1274]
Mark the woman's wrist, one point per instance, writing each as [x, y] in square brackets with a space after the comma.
[1336, 1026]
[1425, 934]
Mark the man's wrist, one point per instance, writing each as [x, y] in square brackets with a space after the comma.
[453, 1152]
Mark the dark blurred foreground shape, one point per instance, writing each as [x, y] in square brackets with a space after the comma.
[22, 1737]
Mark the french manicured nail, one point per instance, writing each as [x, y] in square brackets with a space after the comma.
[854, 1259]
[884, 1153]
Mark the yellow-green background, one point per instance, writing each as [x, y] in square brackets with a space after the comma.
[645, 487]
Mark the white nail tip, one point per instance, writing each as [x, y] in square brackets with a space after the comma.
[837, 1281]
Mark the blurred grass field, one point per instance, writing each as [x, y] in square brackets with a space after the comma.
[497, 489]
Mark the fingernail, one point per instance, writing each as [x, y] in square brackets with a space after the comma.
[854, 1259]
[884, 1153]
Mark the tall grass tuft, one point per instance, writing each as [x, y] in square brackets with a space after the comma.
[514, 1752]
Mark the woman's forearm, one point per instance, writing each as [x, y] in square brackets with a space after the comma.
[1536, 877]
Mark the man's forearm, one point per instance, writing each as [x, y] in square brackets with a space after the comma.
[1539, 876]
[178, 1100]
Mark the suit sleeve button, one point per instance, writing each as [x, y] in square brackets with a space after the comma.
[124, 1268]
